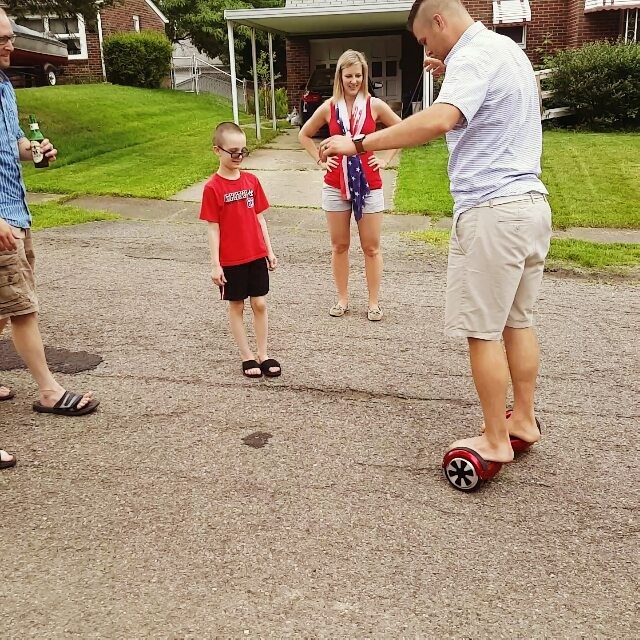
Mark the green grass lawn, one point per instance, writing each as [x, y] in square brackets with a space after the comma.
[54, 214]
[593, 179]
[115, 140]
[564, 253]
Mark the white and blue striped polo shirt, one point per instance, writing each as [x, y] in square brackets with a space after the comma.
[13, 198]
[496, 151]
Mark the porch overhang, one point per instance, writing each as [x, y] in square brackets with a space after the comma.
[315, 21]
[610, 5]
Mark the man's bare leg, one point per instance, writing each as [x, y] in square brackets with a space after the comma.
[491, 378]
[4, 391]
[28, 343]
[523, 355]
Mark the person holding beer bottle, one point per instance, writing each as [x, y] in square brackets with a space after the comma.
[18, 301]
[36, 140]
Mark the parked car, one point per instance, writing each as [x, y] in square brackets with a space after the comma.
[37, 57]
[319, 87]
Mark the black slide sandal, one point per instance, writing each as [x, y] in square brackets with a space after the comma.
[268, 364]
[251, 364]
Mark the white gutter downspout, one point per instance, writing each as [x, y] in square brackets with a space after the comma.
[104, 70]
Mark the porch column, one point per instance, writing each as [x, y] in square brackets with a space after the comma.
[273, 86]
[232, 65]
[101, 41]
[427, 87]
[256, 89]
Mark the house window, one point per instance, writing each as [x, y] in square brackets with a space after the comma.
[71, 31]
[136, 23]
[631, 24]
[511, 11]
[517, 32]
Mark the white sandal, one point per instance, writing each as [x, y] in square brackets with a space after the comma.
[375, 314]
[338, 310]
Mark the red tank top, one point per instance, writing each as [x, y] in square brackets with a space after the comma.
[332, 178]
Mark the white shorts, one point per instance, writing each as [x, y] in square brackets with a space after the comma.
[332, 200]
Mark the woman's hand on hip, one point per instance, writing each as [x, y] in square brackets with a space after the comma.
[329, 164]
[376, 163]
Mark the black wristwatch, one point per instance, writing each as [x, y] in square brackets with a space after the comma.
[358, 139]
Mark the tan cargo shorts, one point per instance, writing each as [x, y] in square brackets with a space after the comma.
[496, 259]
[17, 282]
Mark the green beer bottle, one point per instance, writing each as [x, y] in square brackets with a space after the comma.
[35, 138]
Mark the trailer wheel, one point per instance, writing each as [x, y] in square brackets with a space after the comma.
[50, 75]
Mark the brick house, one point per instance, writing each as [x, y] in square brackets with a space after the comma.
[317, 31]
[84, 38]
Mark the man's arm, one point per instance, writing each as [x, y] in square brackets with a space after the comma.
[419, 128]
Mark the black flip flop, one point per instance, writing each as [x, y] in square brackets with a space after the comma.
[268, 364]
[7, 464]
[12, 394]
[68, 405]
[251, 364]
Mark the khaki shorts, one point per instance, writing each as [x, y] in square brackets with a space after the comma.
[17, 282]
[332, 200]
[496, 259]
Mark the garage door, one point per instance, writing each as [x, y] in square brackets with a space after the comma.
[382, 53]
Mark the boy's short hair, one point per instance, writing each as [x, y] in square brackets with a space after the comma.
[221, 131]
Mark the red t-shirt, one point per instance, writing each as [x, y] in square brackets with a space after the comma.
[235, 205]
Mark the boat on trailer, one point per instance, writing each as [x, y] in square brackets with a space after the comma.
[38, 54]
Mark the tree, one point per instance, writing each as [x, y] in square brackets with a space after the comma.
[202, 22]
[88, 8]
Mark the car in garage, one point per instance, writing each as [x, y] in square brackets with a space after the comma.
[319, 88]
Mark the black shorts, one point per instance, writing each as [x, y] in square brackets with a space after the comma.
[248, 280]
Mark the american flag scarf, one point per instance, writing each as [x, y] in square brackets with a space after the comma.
[353, 183]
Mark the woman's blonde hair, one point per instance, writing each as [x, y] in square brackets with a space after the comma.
[348, 59]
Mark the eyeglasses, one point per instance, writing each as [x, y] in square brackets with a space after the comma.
[236, 155]
[5, 40]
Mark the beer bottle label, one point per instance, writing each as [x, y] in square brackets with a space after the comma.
[36, 151]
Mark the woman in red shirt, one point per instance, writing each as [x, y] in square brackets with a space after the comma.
[352, 183]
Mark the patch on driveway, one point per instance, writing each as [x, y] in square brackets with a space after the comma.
[60, 360]
[257, 440]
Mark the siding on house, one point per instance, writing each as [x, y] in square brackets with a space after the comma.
[555, 24]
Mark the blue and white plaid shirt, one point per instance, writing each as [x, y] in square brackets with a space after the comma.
[13, 197]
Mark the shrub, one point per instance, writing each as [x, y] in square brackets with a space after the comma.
[137, 59]
[282, 103]
[600, 81]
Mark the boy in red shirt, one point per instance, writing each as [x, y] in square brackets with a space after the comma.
[241, 253]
